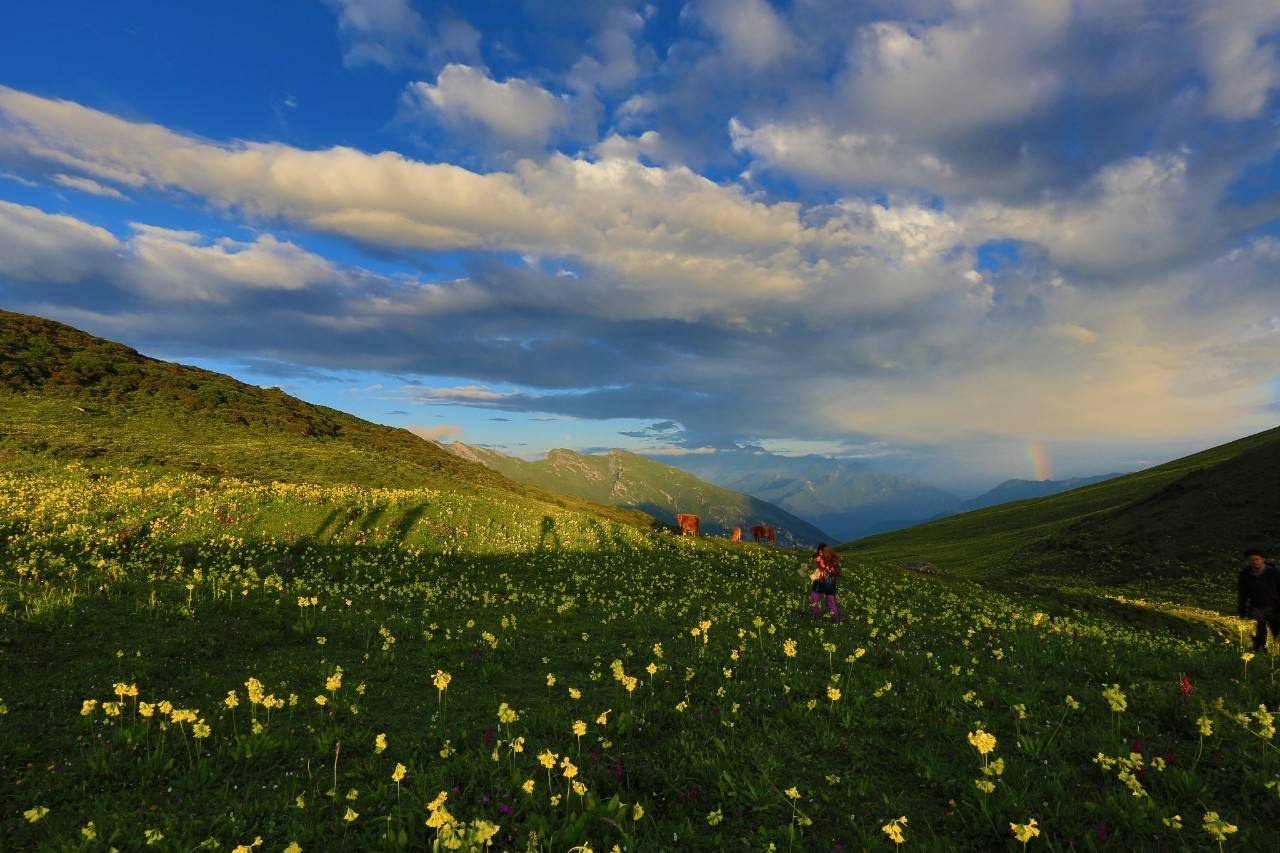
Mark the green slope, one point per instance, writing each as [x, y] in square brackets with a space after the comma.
[628, 480]
[1179, 525]
[66, 395]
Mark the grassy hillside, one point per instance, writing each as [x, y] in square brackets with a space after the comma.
[66, 395]
[628, 480]
[1172, 531]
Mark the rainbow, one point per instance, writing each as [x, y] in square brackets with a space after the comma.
[1038, 454]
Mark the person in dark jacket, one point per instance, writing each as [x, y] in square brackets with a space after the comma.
[1259, 590]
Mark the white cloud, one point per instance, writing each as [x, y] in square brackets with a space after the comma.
[517, 110]
[612, 61]
[391, 33]
[384, 32]
[750, 33]
[1240, 61]
[456, 394]
[848, 159]
[986, 65]
[169, 266]
[37, 246]
[1136, 214]
[87, 185]
[159, 263]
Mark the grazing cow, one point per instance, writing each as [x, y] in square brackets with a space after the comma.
[736, 535]
[688, 524]
[765, 532]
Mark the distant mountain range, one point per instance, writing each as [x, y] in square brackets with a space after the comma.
[628, 480]
[848, 498]
[1020, 490]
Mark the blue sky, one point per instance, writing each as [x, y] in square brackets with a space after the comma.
[930, 234]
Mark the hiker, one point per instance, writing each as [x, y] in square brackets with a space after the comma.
[1260, 596]
[826, 570]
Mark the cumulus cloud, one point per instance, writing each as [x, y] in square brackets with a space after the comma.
[750, 33]
[849, 159]
[518, 111]
[987, 65]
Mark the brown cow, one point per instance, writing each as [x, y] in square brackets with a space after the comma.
[689, 524]
[765, 532]
[736, 535]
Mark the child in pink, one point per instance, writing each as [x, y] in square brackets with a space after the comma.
[827, 569]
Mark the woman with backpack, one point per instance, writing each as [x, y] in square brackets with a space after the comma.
[826, 570]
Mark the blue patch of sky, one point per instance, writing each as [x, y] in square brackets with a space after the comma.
[996, 255]
[388, 399]
[1257, 181]
[221, 73]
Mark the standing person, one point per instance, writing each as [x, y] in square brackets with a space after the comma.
[826, 570]
[1259, 589]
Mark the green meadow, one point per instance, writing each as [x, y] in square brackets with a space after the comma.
[231, 621]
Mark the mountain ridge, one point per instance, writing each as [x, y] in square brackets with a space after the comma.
[629, 479]
[845, 498]
[1016, 489]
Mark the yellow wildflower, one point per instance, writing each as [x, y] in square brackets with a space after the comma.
[1217, 827]
[1024, 832]
[893, 829]
[983, 741]
[1116, 698]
